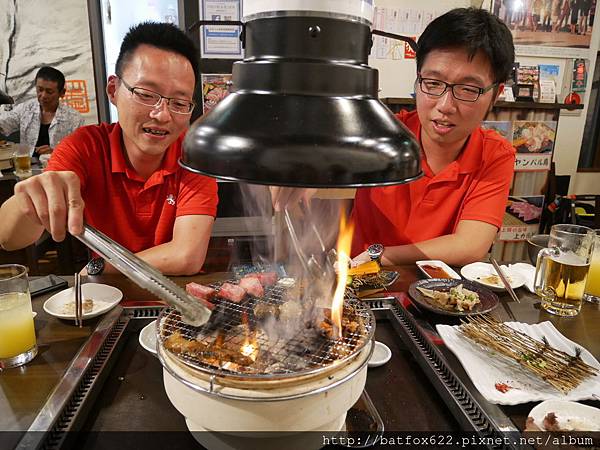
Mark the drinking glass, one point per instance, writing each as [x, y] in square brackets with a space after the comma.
[592, 288]
[22, 161]
[562, 268]
[17, 334]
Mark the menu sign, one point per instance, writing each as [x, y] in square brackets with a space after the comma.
[522, 218]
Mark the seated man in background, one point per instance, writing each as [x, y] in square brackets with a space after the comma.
[44, 121]
[124, 178]
[454, 211]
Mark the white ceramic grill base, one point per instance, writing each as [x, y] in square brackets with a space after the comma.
[261, 412]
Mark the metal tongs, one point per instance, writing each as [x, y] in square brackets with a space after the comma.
[146, 276]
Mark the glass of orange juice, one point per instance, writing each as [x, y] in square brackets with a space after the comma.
[17, 334]
[592, 287]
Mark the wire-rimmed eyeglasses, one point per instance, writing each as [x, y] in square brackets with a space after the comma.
[460, 91]
[150, 98]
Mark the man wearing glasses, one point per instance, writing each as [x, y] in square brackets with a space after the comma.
[454, 211]
[124, 178]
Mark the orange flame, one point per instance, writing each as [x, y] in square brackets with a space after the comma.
[250, 346]
[344, 244]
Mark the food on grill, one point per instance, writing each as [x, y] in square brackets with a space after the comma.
[252, 286]
[265, 278]
[200, 291]
[215, 353]
[435, 271]
[457, 297]
[365, 268]
[232, 292]
[351, 323]
[264, 310]
[204, 294]
[179, 344]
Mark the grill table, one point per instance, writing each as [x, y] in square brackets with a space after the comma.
[98, 379]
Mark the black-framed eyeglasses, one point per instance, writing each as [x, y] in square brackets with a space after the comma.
[150, 98]
[463, 92]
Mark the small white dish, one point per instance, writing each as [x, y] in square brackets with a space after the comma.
[62, 304]
[147, 337]
[483, 274]
[381, 355]
[571, 416]
[437, 263]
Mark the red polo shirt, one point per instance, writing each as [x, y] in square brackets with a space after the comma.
[473, 187]
[136, 213]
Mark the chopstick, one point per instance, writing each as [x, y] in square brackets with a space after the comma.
[78, 301]
[504, 280]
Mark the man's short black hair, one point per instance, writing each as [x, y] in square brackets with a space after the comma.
[474, 30]
[165, 36]
[51, 74]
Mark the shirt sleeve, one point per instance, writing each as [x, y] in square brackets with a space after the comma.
[10, 121]
[197, 195]
[487, 198]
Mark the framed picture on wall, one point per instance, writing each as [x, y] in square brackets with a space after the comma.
[561, 28]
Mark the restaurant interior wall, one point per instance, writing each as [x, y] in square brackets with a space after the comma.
[396, 78]
[47, 32]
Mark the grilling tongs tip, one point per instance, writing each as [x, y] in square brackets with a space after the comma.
[146, 276]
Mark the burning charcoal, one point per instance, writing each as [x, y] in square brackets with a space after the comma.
[176, 343]
[264, 310]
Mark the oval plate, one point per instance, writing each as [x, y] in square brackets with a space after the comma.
[477, 270]
[487, 299]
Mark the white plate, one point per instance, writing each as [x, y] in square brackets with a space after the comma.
[485, 369]
[147, 337]
[571, 416]
[477, 270]
[381, 355]
[105, 298]
[437, 263]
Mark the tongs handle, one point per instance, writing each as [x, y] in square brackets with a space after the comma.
[144, 275]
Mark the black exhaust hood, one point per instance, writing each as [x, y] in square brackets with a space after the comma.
[304, 110]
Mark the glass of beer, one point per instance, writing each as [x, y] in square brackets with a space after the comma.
[22, 161]
[562, 269]
[17, 334]
[592, 287]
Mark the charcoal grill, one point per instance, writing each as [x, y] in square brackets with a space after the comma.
[300, 357]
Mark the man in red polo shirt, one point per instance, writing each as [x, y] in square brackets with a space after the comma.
[124, 178]
[454, 211]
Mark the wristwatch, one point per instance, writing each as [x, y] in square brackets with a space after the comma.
[375, 251]
[95, 266]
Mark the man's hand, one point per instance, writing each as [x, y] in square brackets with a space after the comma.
[282, 197]
[53, 200]
[43, 149]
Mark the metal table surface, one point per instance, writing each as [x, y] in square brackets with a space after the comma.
[133, 398]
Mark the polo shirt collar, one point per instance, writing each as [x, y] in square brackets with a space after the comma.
[169, 164]
[469, 159]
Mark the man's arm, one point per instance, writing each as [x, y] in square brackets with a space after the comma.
[185, 253]
[51, 201]
[470, 243]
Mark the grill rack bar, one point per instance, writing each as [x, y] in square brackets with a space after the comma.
[304, 353]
